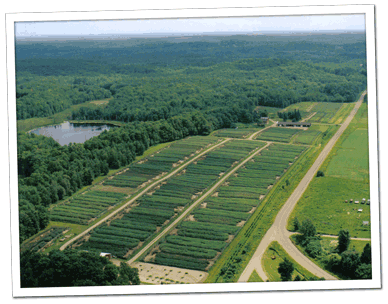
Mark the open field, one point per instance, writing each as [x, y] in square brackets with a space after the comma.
[324, 203]
[198, 242]
[273, 256]
[346, 177]
[352, 158]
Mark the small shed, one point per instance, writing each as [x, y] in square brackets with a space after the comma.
[363, 201]
[106, 255]
[351, 200]
[368, 202]
[359, 210]
[365, 223]
[346, 201]
[356, 202]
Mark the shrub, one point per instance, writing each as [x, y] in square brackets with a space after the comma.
[320, 174]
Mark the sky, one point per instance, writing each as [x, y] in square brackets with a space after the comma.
[199, 25]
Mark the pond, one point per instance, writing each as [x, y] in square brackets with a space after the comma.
[66, 132]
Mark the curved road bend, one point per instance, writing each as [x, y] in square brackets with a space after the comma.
[278, 231]
[141, 193]
[199, 200]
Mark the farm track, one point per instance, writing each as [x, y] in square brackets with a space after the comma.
[278, 231]
[252, 136]
[193, 205]
[145, 190]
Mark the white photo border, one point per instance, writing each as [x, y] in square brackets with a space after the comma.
[368, 10]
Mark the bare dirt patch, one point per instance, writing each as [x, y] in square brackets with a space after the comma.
[277, 177]
[252, 210]
[160, 274]
[269, 187]
[174, 231]
[240, 224]
[215, 194]
[261, 197]
[203, 205]
[230, 238]
[190, 218]
[193, 197]
[179, 209]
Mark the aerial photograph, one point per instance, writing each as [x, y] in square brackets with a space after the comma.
[192, 151]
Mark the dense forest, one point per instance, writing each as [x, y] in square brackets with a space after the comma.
[163, 89]
[73, 268]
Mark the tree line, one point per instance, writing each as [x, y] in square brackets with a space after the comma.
[73, 268]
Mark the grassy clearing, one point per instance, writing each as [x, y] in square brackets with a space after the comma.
[101, 102]
[324, 203]
[352, 158]
[346, 177]
[273, 256]
[255, 277]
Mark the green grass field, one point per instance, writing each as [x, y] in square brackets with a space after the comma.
[346, 177]
[273, 256]
[352, 158]
[255, 277]
[324, 203]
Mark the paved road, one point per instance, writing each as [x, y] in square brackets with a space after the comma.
[188, 210]
[140, 194]
[278, 230]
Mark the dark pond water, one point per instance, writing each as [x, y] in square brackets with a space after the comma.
[66, 132]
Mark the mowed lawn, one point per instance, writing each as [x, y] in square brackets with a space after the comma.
[352, 159]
